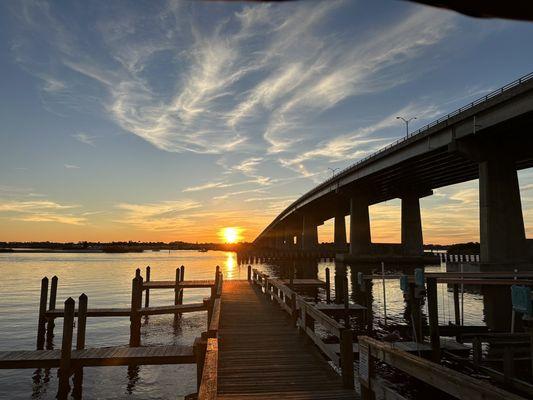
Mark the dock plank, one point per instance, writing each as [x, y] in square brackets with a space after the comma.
[103, 356]
[261, 355]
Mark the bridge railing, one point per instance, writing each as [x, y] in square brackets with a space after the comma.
[304, 316]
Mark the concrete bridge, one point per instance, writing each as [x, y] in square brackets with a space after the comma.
[488, 139]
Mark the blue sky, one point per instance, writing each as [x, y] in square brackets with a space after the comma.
[162, 120]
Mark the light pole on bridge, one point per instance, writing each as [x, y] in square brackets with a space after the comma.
[406, 124]
[333, 171]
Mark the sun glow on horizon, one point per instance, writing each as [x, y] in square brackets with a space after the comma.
[231, 234]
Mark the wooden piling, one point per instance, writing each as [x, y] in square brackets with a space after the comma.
[433, 312]
[291, 275]
[66, 350]
[416, 320]
[182, 278]
[346, 302]
[41, 325]
[347, 358]
[369, 314]
[147, 291]
[177, 286]
[82, 322]
[249, 272]
[328, 287]
[200, 347]
[51, 320]
[80, 345]
[456, 308]
[135, 316]
[294, 309]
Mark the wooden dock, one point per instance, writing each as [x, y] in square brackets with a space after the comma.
[261, 355]
[103, 356]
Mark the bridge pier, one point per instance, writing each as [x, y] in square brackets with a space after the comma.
[339, 232]
[412, 237]
[309, 233]
[502, 233]
[359, 226]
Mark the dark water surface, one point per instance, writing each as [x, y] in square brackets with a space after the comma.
[106, 279]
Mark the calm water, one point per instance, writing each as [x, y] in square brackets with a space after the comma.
[106, 279]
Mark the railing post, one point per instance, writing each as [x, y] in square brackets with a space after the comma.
[66, 350]
[41, 326]
[346, 341]
[433, 318]
[249, 272]
[177, 291]
[135, 316]
[147, 291]
[456, 308]
[328, 287]
[80, 344]
[182, 278]
[294, 309]
[346, 302]
[199, 348]
[51, 321]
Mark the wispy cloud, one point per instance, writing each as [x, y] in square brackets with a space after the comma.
[161, 216]
[42, 211]
[71, 166]
[85, 138]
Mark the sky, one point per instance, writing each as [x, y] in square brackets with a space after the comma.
[169, 120]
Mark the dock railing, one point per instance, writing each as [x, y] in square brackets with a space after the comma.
[304, 316]
[445, 379]
[206, 347]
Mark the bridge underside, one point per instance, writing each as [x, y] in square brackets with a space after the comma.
[492, 151]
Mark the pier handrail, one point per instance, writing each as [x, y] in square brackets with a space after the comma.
[449, 381]
[304, 316]
[208, 383]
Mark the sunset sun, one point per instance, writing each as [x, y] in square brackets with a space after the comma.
[230, 235]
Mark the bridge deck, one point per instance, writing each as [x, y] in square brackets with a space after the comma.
[99, 357]
[263, 357]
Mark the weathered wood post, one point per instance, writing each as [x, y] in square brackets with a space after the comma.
[346, 302]
[249, 272]
[135, 316]
[508, 364]
[346, 348]
[199, 349]
[366, 370]
[41, 326]
[291, 275]
[369, 314]
[177, 286]
[147, 291]
[80, 345]
[416, 320]
[433, 311]
[66, 350]
[476, 352]
[328, 287]
[182, 278]
[456, 309]
[82, 321]
[294, 309]
[51, 321]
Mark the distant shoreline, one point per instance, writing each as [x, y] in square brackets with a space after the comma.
[112, 251]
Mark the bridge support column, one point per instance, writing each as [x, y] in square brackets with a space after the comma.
[502, 233]
[412, 241]
[359, 226]
[279, 235]
[309, 233]
[340, 232]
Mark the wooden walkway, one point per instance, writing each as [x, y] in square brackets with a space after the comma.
[261, 355]
[103, 356]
